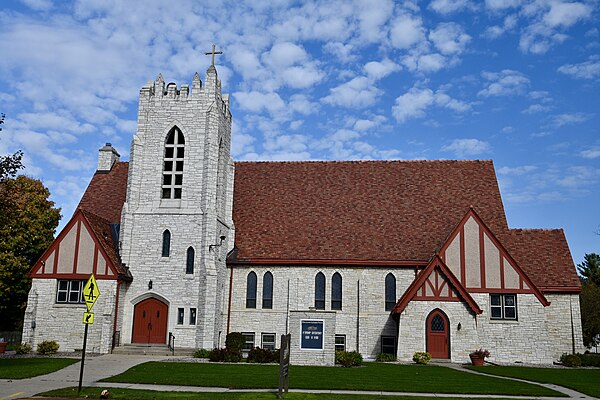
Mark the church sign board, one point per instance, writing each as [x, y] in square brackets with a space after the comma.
[311, 335]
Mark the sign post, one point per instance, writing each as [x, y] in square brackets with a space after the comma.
[90, 294]
[284, 365]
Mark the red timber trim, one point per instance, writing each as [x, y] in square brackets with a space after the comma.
[561, 289]
[435, 263]
[78, 220]
[463, 262]
[482, 258]
[312, 263]
[76, 253]
[95, 268]
[459, 229]
[502, 283]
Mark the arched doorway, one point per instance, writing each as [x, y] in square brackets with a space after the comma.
[438, 334]
[150, 322]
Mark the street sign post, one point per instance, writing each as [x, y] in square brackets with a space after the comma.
[284, 365]
[90, 296]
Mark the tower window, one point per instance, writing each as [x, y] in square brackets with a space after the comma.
[166, 244]
[172, 178]
[189, 265]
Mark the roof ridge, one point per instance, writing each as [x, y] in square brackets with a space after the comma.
[361, 161]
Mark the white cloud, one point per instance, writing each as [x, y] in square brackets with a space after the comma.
[258, 102]
[380, 69]
[450, 6]
[568, 119]
[498, 5]
[536, 108]
[506, 82]
[590, 153]
[432, 62]
[359, 92]
[415, 102]
[362, 125]
[520, 170]
[566, 14]
[407, 31]
[467, 147]
[372, 16]
[586, 70]
[494, 32]
[344, 52]
[449, 38]
[38, 5]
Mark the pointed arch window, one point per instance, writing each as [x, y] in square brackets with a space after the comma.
[189, 265]
[267, 295]
[320, 291]
[166, 243]
[390, 292]
[172, 178]
[336, 292]
[251, 290]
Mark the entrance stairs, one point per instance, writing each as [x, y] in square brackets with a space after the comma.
[151, 350]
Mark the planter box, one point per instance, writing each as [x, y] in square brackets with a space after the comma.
[476, 360]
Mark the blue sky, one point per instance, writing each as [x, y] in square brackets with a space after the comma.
[515, 81]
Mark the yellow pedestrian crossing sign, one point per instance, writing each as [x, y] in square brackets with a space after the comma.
[88, 318]
[91, 292]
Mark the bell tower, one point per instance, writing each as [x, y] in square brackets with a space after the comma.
[176, 224]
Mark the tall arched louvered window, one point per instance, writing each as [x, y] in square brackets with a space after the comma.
[390, 291]
[166, 243]
[251, 290]
[320, 291]
[267, 295]
[172, 178]
[189, 265]
[336, 292]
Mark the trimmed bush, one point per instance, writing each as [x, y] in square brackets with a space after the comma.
[590, 360]
[201, 353]
[235, 341]
[47, 347]
[216, 355]
[348, 359]
[262, 356]
[570, 360]
[23, 348]
[385, 357]
[421, 357]
[233, 356]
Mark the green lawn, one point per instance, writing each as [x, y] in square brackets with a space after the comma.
[372, 376]
[133, 394]
[20, 368]
[583, 380]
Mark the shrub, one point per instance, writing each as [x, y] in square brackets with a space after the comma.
[348, 358]
[233, 356]
[48, 347]
[385, 357]
[235, 341]
[590, 360]
[23, 348]
[421, 357]
[570, 360]
[216, 355]
[258, 355]
[201, 353]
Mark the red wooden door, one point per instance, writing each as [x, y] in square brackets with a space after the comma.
[438, 334]
[150, 322]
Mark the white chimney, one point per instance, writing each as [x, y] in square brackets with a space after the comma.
[107, 156]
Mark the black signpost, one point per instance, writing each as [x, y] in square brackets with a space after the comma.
[284, 365]
[90, 294]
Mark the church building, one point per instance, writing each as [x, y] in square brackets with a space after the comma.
[374, 256]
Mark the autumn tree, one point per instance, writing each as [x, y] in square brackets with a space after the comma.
[9, 165]
[27, 223]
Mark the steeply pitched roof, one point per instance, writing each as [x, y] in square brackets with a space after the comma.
[545, 257]
[105, 195]
[373, 211]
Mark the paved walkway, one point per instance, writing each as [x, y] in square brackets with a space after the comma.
[97, 368]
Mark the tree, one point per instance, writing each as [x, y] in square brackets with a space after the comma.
[589, 301]
[9, 165]
[589, 269]
[27, 223]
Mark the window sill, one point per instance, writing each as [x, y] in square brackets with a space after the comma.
[504, 321]
[170, 203]
[68, 305]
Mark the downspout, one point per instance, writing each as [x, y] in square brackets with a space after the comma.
[230, 295]
[572, 326]
[358, 315]
[287, 311]
[116, 313]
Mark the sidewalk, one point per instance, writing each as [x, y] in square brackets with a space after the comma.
[97, 368]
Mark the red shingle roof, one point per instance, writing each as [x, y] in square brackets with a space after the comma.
[394, 211]
[105, 195]
[545, 257]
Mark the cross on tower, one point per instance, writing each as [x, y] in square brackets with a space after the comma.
[213, 52]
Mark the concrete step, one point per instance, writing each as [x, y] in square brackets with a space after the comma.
[151, 350]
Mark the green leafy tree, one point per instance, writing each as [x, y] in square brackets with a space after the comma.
[27, 223]
[589, 301]
[9, 165]
[589, 269]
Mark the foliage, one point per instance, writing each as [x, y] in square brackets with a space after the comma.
[348, 359]
[235, 341]
[590, 360]
[483, 353]
[385, 357]
[23, 348]
[224, 355]
[233, 356]
[20, 368]
[589, 303]
[47, 347]
[27, 223]
[570, 360]
[421, 357]
[589, 269]
[201, 353]
[216, 355]
[371, 376]
[262, 356]
[9, 165]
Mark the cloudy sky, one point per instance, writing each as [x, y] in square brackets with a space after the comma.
[515, 81]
